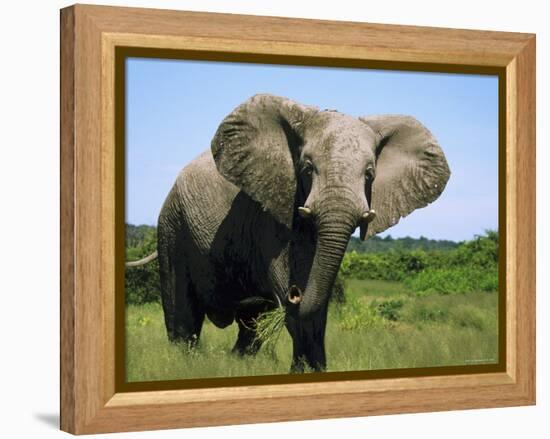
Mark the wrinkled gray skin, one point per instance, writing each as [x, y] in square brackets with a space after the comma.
[231, 243]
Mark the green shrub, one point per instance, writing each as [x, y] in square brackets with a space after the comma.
[471, 266]
[454, 280]
[379, 266]
[397, 265]
[355, 315]
[389, 309]
[140, 241]
[481, 252]
[142, 284]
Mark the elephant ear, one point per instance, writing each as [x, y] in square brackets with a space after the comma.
[256, 148]
[411, 169]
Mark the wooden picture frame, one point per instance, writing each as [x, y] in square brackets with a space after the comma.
[91, 399]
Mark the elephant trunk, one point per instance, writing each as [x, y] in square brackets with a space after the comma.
[335, 226]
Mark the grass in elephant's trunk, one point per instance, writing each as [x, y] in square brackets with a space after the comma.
[268, 327]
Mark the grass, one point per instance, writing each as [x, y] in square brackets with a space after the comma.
[382, 325]
[374, 288]
[151, 357]
[269, 326]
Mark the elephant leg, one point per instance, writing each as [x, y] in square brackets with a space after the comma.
[189, 314]
[183, 315]
[308, 342]
[247, 343]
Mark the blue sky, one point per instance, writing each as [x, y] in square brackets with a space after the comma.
[174, 108]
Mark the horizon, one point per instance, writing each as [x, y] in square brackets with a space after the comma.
[174, 108]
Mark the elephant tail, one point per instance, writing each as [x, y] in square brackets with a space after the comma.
[142, 261]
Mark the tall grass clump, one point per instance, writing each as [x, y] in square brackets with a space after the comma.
[355, 315]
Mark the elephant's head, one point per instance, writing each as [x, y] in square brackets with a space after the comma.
[333, 171]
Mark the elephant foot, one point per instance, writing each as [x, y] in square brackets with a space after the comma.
[303, 365]
[189, 342]
[296, 368]
[247, 347]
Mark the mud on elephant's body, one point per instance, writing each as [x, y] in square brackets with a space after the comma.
[263, 219]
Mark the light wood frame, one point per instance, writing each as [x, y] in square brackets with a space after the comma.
[89, 38]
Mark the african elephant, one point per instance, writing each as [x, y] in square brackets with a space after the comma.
[263, 219]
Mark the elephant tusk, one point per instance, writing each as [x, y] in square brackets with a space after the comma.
[295, 300]
[304, 212]
[369, 216]
[294, 295]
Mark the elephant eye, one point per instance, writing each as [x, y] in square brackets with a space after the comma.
[369, 174]
[307, 169]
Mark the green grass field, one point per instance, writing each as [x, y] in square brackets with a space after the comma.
[381, 325]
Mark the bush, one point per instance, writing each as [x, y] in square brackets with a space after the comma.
[142, 283]
[389, 309]
[380, 266]
[453, 280]
[355, 315]
[481, 252]
[471, 266]
[140, 241]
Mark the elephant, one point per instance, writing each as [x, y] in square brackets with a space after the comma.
[262, 219]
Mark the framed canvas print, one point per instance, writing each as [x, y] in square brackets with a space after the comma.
[270, 219]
